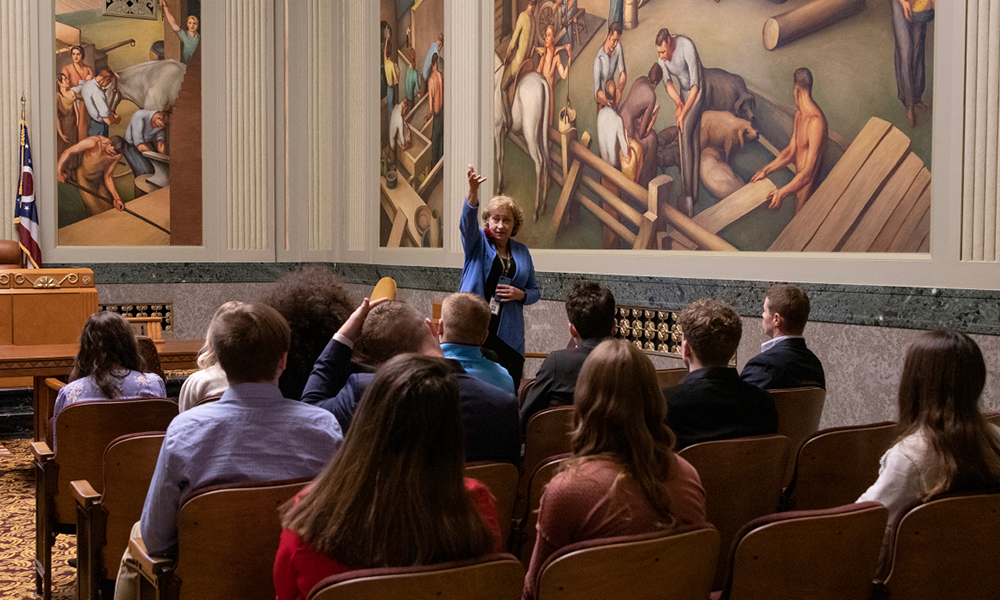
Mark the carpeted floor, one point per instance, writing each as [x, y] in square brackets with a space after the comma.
[17, 531]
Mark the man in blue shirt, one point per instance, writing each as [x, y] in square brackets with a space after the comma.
[252, 434]
[464, 326]
[146, 133]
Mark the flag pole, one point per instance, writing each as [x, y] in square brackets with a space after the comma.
[20, 152]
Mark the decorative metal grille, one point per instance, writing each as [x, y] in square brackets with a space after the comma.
[164, 310]
[652, 330]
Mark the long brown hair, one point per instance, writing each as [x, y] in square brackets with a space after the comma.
[939, 392]
[620, 416]
[394, 495]
[108, 350]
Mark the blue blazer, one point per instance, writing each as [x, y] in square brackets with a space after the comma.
[479, 257]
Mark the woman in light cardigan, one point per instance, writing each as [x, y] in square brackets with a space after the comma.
[500, 270]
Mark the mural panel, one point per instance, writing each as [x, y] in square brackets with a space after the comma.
[412, 122]
[683, 124]
[128, 103]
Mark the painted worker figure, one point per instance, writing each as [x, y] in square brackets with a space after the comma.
[610, 59]
[909, 29]
[549, 63]
[435, 110]
[517, 50]
[189, 37]
[98, 156]
[683, 78]
[806, 149]
[99, 97]
[146, 133]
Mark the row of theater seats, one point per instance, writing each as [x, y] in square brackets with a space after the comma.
[745, 483]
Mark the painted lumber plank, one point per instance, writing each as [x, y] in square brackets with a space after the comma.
[569, 188]
[881, 208]
[733, 207]
[619, 229]
[918, 217]
[803, 226]
[925, 244]
[884, 238]
[855, 199]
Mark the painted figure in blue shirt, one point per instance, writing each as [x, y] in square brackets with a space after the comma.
[463, 328]
[189, 37]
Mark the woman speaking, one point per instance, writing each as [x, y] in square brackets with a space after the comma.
[500, 270]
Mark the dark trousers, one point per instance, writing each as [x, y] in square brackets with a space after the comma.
[690, 144]
[437, 138]
[508, 358]
[911, 39]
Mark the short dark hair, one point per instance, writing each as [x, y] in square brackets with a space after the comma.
[792, 303]
[804, 79]
[434, 60]
[83, 51]
[249, 342]
[390, 329]
[712, 329]
[118, 143]
[591, 309]
[662, 36]
[655, 74]
[615, 27]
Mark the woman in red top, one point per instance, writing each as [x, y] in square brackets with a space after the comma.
[394, 495]
[624, 477]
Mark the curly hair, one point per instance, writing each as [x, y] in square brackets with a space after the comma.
[591, 309]
[515, 211]
[108, 351]
[314, 302]
[712, 329]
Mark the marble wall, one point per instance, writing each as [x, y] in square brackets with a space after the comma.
[863, 363]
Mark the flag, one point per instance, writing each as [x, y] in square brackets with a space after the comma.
[26, 213]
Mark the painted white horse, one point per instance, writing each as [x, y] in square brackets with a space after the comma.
[529, 116]
[152, 85]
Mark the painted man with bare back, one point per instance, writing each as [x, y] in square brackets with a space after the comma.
[806, 149]
[550, 62]
[98, 156]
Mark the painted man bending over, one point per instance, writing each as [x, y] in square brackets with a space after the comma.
[805, 150]
[684, 77]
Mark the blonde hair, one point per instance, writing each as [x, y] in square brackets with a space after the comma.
[515, 210]
[206, 356]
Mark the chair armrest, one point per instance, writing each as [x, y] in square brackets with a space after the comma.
[84, 493]
[41, 452]
[152, 567]
[54, 384]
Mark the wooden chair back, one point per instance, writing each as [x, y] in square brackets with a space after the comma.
[225, 527]
[799, 412]
[150, 356]
[207, 399]
[668, 378]
[675, 565]
[83, 432]
[536, 486]
[104, 521]
[501, 479]
[993, 417]
[947, 548]
[835, 466]
[492, 577]
[546, 434]
[522, 392]
[742, 481]
[828, 554]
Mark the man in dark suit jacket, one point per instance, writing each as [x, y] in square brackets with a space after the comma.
[785, 361]
[591, 311]
[712, 402]
[489, 413]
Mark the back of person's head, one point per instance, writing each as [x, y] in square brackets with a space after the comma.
[390, 329]
[803, 79]
[206, 356]
[250, 342]
[394, 495]
[712, 329]
[107, 347]
[466, 318]
[591, 310]
[655, 74]
[943, 378]
[792, 303]
[315, 304]
[620, 412]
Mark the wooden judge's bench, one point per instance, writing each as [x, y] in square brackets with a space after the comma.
[42, 312]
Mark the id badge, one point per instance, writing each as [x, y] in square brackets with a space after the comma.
[494, 306]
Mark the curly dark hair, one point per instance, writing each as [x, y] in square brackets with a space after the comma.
[108, 350]
[712, 329]
[314, 302]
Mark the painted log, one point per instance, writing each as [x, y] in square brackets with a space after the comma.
[799, 22]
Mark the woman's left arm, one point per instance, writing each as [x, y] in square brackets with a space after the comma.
[532, 293]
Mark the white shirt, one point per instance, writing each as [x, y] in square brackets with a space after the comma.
[611, 135]
[399, 133]
[770, 343]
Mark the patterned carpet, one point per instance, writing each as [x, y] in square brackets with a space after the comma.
[17, 531]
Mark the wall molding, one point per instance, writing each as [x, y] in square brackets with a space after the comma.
[971, 311]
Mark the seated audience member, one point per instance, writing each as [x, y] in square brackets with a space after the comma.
[784, 361]
[315, 304]
[488, 413]
[623, 477]
[712, 402]
[945, 444]
[209, 379]
[252, 434]
[464, 325]
[395, 495]
[591, 312]
[108, 365]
